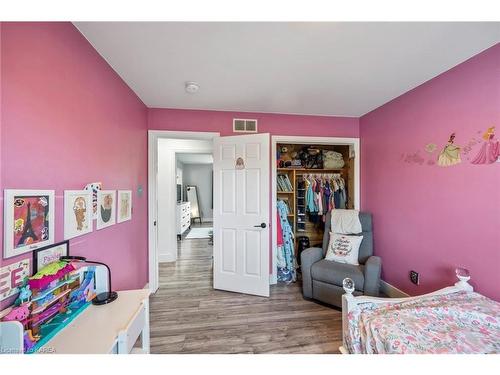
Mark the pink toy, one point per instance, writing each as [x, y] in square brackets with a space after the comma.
[18, 313]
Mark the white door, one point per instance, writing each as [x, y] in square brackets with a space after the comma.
[241, 214]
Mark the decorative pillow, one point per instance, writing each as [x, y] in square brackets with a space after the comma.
[343, 248]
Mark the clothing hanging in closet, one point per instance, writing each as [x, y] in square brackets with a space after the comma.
[286, 252]
[324, 192]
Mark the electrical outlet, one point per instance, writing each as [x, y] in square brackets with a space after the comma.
[414, 277]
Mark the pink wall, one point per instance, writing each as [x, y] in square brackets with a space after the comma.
[67, 119]
[426, 217]
[276, 124]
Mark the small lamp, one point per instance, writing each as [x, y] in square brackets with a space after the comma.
[101, 298]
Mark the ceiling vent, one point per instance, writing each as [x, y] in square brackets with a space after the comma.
[241, 125]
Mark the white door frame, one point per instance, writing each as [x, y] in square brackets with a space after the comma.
[153, 137]
[354, 142]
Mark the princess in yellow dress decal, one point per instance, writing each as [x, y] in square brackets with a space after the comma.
[450, 154]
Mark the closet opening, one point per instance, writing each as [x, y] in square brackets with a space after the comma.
[311, 176]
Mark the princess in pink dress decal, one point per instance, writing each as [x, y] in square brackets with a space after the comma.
[490, 150]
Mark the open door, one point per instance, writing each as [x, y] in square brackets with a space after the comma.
[241, 214]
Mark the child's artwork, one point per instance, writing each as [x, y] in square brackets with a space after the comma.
[490, 149]
[124, 205]
[77, 213]
[106, 208]
[450, 155]
[28, 220]
[49, 254]
[12, 277]
[94, 188]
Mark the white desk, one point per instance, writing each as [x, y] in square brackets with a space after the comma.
[111, 328]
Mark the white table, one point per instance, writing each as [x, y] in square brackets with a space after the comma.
[111, 328]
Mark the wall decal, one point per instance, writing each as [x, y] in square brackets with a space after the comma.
[450, 155]
[28, 220]
[490, 149]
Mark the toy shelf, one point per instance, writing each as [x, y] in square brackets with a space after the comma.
[47, 304]
[58, 285]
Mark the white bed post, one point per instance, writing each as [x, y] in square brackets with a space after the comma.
[463, 276]
[348, 303]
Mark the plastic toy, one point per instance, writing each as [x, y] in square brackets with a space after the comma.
[50, 299]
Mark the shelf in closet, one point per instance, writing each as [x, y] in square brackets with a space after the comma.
[285, 192]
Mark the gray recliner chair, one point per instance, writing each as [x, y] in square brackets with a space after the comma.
[322, 279]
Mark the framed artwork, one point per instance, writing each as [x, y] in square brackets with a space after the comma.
[49, 254]
[12, 276]
[28, 220]
[78, 213]
[124, 205]
[94, 187]
[106, 208]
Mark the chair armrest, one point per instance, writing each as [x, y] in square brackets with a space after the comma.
[307, 258]
[373, 266]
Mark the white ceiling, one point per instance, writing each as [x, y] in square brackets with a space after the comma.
[343, 69]
[195, 158]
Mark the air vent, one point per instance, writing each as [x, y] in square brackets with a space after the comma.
[244, 125]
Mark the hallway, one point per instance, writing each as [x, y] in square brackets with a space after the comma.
[188, 316]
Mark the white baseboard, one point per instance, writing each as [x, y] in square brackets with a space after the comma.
[391, 291]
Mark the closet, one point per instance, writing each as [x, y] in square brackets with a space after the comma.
[311, 179]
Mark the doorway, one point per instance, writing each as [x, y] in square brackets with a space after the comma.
[162, 192]
[241, 217]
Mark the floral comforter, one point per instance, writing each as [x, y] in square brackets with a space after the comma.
[461, 322]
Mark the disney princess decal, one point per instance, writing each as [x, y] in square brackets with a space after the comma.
[450, 155]
[490, 149]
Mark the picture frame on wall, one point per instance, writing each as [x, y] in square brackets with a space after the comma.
[106, 208]
[78, 212]
[28, 220]
[124, 206]
[49, 254]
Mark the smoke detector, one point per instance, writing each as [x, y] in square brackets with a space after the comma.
[192, 87]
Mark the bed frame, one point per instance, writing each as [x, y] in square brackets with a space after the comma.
[351, 303]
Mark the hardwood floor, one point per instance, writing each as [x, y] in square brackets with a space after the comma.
[189, 316]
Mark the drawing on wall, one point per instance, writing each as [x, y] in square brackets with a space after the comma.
[106, 208]
[49, 254]
[94, 187]
[77, 213]
[124, 205]
[450, 155]
[12, 277]
[28, 220]
[490, 149]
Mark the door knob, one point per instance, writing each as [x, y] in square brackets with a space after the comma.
[261, 225]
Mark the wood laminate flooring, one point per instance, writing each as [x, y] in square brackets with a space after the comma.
[189, 316]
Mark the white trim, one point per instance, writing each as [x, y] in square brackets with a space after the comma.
[391, 291]
[153, 137]
[307, 140]
[146, 286]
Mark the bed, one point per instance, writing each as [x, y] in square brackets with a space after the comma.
[450, 320]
